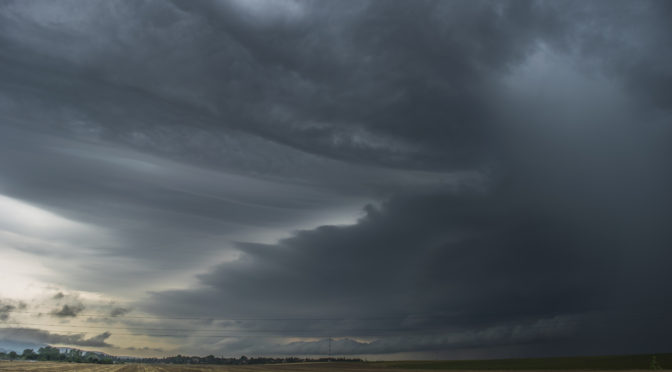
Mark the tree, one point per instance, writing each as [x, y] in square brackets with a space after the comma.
[75, 356]
[48, 353]
[12, 355]
[29, 354]
[654, 363]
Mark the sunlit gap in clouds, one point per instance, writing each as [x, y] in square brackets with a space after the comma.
[28, 236]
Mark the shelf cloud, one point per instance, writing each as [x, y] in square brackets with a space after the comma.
[483, 178]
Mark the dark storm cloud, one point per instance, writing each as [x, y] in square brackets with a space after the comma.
[174, 129]
[119, 203]
[45, 337]
[145, 349]
[301, 82]
[68, 311]
[7, 306]
[569, 225]
[437, 263]
[5, 311]
[119, 311]
[636, 54]
[483, 338]
[300, 73]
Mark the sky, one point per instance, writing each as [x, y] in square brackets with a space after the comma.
[396, 179]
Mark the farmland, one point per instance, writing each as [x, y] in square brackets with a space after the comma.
[298, 367]
[557, 364]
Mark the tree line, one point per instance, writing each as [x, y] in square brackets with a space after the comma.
[53, 354]
[211, 359]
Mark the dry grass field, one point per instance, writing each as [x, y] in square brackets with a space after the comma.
[299, 367]
[20, 366]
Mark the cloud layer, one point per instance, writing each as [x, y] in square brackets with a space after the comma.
[35, 336]
[435, 176]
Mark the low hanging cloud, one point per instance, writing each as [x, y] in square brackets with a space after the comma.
[66, 311]
[146, 348]
[119, 311]
[29, 335]
[540, 332]
[7, 306]
[5, 311]
[530, 246]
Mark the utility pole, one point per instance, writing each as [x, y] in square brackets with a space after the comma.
[329, 359]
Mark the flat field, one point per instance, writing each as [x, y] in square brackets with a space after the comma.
[20, 366]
